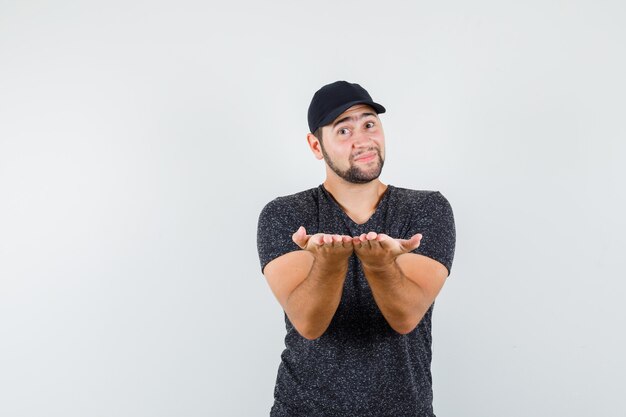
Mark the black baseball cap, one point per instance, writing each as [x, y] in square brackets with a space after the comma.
[335, 98]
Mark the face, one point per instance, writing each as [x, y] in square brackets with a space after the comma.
[353, 145]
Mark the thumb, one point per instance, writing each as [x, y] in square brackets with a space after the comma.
[411, 244]
[300, 238]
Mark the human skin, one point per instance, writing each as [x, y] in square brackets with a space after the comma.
[402, 299]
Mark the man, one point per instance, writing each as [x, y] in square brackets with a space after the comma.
[356, 266]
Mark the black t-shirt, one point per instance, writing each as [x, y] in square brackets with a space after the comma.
[360, 366]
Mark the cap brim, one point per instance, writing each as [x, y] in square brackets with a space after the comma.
[336, 112]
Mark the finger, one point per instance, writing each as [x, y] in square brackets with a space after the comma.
[387, 242]
[362, 242]
[371, 236]
[382, 237]
[374, 244]
[300, 238]
[337, 241]
[318, 239]
[365, 242]
[328, 239]
[346, 241]
[411, 244]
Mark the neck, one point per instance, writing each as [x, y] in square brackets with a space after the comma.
[359, 201]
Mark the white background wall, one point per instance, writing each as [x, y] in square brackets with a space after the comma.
[140, 139]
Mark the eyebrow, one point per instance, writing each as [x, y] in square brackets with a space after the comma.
[353, 118]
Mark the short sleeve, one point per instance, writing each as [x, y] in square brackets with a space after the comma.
[436, 224]
[277, 223]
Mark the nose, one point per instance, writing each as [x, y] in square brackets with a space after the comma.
[361, 138]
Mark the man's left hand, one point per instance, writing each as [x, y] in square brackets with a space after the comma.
[379, 251]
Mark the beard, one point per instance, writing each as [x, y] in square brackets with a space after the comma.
[355, 174]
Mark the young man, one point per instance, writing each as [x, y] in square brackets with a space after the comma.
[356, 266]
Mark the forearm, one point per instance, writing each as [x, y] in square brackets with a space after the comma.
[401, 301]
[312, 304]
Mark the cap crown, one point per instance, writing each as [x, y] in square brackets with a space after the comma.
[333, 99]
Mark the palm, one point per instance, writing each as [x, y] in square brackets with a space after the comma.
[324, 245]
[380, 250]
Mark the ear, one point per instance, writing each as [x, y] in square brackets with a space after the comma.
[315, 145]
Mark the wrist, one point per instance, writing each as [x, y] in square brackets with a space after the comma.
[379, 266]
[331, 265]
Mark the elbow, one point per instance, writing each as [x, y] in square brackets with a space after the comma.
[405, 323]
[404, 327]
[309, 326]
[309, 331]
[310, 334]
[403, 330]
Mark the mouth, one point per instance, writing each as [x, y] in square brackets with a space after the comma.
[366, 156]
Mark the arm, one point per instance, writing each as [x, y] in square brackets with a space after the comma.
[308, 283]
[404, 284]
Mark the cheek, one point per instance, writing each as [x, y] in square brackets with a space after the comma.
[342, 148]
[348, 151]
[381, 148]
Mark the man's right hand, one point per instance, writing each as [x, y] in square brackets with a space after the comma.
[308, 283]
[325, 247]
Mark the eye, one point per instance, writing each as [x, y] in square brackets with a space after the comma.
[369, 125]
[343, 131]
